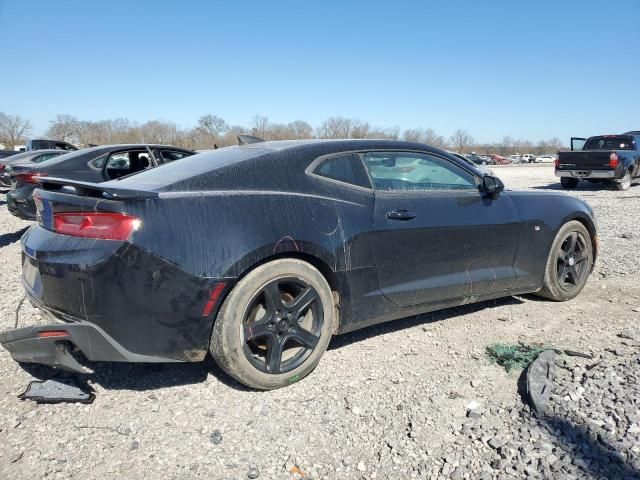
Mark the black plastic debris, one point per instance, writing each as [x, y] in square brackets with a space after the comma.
[540, 381]
[58, 390]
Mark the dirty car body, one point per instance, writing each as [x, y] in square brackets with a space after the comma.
[386, 248]
[96, 164]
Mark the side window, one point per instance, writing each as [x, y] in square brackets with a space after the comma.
[120, 164]
[344, 168]
[171, 155]
[401, 171]
[44, 157]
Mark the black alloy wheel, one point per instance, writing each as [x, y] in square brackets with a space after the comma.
[572, 264]
[282, 325]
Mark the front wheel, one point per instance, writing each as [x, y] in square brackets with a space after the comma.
[569, 263]
[275, 325]
[568, 182]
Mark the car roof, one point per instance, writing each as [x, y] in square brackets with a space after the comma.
[247, 156]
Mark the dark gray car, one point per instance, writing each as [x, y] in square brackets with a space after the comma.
[25, 158]
[97, 164]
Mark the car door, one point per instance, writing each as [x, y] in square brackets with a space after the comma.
[577, 143]
[436, 235]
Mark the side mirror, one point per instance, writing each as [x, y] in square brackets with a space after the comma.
[492, 185]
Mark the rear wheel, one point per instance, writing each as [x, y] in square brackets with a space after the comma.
[624, 183]
[569, 263]
[568, 182]
[275, 325]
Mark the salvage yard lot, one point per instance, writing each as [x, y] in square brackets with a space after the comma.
[386, 402]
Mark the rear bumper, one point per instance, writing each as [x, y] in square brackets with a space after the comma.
[138, 306]
[24, 208]
[31, 345]
[610, 174]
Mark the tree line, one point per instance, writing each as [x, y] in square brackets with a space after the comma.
[212, 131]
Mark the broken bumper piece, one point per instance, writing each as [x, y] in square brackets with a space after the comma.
[52, 345]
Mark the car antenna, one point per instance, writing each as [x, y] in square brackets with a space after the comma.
[248, 139]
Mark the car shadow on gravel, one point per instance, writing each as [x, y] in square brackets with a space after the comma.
[7, 239]
[408, 322]
[141, 376]
[582, 187]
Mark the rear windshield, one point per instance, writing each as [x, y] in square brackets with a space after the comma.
[189, 167]
[613, 142]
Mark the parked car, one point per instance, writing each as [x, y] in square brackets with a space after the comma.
[43, 144]
[483, 169]
[7, 153]
[604, 158]
[515, 158]
[528, 158]
[498, 159]
[480, 159]
[260, 253]
[24, 158]
[545, 158]
[97, 164]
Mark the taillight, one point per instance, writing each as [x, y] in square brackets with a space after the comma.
[102, 225]
[28, 177]
[613, 160]
[2, 167]
[52, 333]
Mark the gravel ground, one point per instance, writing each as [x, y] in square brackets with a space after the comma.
[415, 398]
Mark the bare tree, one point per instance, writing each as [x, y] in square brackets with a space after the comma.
[260, 125]
[301, 129]
[360, 129]
[64, 127]
[13, 130]
[335, 127]
[212, 125]
[461, 141]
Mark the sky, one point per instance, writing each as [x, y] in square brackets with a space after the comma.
[528, 69]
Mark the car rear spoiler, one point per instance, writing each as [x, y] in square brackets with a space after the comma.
[249, 139]
[86, 189]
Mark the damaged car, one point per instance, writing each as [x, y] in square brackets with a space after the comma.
[259, 254]
[96, 164]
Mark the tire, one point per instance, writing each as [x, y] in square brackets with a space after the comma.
[568, 182]
[260, 338]
[624, 183]
[570, 261]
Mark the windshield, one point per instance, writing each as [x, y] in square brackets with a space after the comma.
[612, 142]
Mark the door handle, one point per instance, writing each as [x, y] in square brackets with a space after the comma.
[403, 215]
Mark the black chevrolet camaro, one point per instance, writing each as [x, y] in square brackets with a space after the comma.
[260, 253]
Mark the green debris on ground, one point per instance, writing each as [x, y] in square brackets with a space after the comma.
[514, 356]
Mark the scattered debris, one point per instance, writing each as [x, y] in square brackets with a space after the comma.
[513, 356]
[58, 390]
[573, 353]
[540, 381]
[626, 235]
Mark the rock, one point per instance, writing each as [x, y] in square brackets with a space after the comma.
[472, 405]
[627, 334]
[253, 472]
[361, 466]
[475, 383]
[216, 437]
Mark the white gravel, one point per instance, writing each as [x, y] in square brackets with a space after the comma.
[385, 402]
